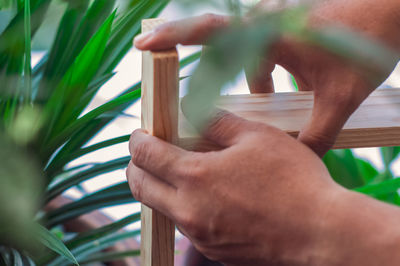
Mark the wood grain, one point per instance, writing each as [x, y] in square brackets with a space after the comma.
[160, 90]
[375, 124]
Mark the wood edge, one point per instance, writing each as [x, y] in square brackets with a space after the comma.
[146, 221]
[165, 54]
[348, 139]
[158, 251]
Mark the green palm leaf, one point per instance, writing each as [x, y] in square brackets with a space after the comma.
[384, 188]
[126, 28]
[89, 242]
[82, 122]
[63, 160]
[47, 67]
[59, 108]
[28, 67]
[96, 170]
[114, 195]
[109, 256]
[102, 232]
[52, 242]
[344, 168]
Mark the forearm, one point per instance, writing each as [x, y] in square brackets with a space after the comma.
[359, 231]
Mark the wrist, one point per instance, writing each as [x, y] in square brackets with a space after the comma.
[358, 230]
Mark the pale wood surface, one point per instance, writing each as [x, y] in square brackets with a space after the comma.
[160, 118]
[375, 124]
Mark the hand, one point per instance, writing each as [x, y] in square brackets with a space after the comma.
[339, 87]
[265, 199]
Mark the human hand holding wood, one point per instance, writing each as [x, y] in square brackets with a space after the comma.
[338, 86]
[264, 199]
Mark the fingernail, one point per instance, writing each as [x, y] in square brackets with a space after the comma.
[141, 38]
[141, 131]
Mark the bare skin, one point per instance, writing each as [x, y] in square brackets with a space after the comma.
[267, 199]
[335, 83]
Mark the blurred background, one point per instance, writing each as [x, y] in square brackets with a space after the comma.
[127, 74]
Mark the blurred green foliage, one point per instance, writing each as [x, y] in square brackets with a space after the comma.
[43, 126]
[21, 185]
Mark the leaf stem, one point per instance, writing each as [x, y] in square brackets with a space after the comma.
[28, 50]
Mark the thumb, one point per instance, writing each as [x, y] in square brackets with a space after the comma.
[226, 129]
[328, 117]
[261, 81]
[220, 126]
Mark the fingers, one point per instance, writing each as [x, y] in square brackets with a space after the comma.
[150, 190]
[320, 137]
[191, 31]
[261, 81]
[226, 129]
[223, 127]
[328, 118]
[157, 157]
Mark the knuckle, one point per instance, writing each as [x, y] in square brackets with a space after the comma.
[195, 169]
[198, 173]
[192, 225]
[167, 28]
[186, 221]
[140, 153]
[210, 19]
[220, 121]
[205, 26]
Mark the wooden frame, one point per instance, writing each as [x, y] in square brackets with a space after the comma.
[160, 88]
[375, 124]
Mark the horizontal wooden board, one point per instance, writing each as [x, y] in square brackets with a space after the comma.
[375, 124]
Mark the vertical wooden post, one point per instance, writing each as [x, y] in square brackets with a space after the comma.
[160, 92]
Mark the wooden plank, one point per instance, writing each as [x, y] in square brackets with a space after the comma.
[375, 124]
[160, 90]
